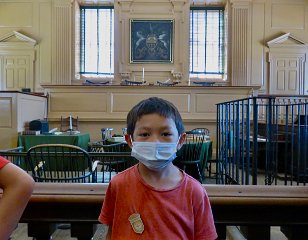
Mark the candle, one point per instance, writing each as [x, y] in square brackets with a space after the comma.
[143, 73]
[71, 123]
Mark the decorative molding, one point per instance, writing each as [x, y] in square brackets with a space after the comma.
[285, 37]
[285, 50]
[207, 2]
[286, 15]
[113, 102]
[19, 36]
[240, 3]
[17, 64]
[63, 2]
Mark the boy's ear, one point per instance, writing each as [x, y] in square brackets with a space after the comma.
[128, 139]
[181, 140]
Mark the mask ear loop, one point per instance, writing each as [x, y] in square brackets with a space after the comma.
[131, 140]
[177, 143]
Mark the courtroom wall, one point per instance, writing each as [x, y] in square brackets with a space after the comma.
[54, 25]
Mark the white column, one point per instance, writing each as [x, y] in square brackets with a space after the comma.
[241, 42]
[62, 41]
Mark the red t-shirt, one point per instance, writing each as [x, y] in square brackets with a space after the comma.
[3, 162]
[183, 212]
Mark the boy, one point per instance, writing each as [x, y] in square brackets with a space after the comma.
[17, 188]
[154, 199]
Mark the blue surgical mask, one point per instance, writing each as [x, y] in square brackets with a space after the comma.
[154, 155]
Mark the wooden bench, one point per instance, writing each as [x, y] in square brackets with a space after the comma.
[258, 208]
[255, 206]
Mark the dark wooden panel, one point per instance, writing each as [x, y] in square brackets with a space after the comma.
[80, 205]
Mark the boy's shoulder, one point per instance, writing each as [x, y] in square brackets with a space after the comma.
[127, 173]
[190, 179]
[193, 185]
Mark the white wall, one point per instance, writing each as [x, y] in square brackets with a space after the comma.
[251, 24]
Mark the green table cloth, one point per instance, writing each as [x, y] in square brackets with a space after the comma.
[28, 141]
[81, 140]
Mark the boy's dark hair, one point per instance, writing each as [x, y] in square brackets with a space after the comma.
[154, 105]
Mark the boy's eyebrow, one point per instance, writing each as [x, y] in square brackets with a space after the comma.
[167, 127]
[142, 128]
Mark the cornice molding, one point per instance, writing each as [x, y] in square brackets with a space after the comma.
[14, 34]
[285, 37]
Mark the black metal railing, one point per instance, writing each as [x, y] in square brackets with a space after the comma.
[107, 163]
[263, 140]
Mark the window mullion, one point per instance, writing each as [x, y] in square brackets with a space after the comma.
[82, 40]
[110, 43]
[192, 40]
[205, 39]
[97, 42]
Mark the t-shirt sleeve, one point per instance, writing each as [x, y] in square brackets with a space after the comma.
[204, 221]
[3, 162]
[107, 211]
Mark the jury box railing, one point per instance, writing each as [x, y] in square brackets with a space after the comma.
[263, 140]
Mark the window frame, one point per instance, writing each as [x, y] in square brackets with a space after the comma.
[86, 74]
[220, 75]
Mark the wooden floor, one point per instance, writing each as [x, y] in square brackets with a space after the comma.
[60, 234]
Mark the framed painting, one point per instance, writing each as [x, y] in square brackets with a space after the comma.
[151, 41]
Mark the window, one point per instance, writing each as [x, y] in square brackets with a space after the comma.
[206, 43]
[97, 41]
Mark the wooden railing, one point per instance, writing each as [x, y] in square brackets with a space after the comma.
[257, 207]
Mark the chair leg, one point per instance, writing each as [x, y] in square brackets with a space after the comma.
[199, 173]
[221, 231]
[209, 168]
[83, 231]
[41, 231]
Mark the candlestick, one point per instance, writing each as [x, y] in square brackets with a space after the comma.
[71, 123]
[142, 73]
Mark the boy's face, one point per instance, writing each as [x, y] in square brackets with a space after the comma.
[155, 128]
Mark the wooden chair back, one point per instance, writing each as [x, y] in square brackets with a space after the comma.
[189, 156]
[202, 131]
[60, 163]
[116, 159]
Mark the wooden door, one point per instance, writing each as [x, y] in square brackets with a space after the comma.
[16, 72]
[286, 76]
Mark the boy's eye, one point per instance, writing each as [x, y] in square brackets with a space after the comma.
[167, 134]
[145, 134]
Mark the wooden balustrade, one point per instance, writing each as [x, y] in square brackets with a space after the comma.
[258, 207]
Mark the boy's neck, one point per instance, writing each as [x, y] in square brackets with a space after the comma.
[167, 178]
